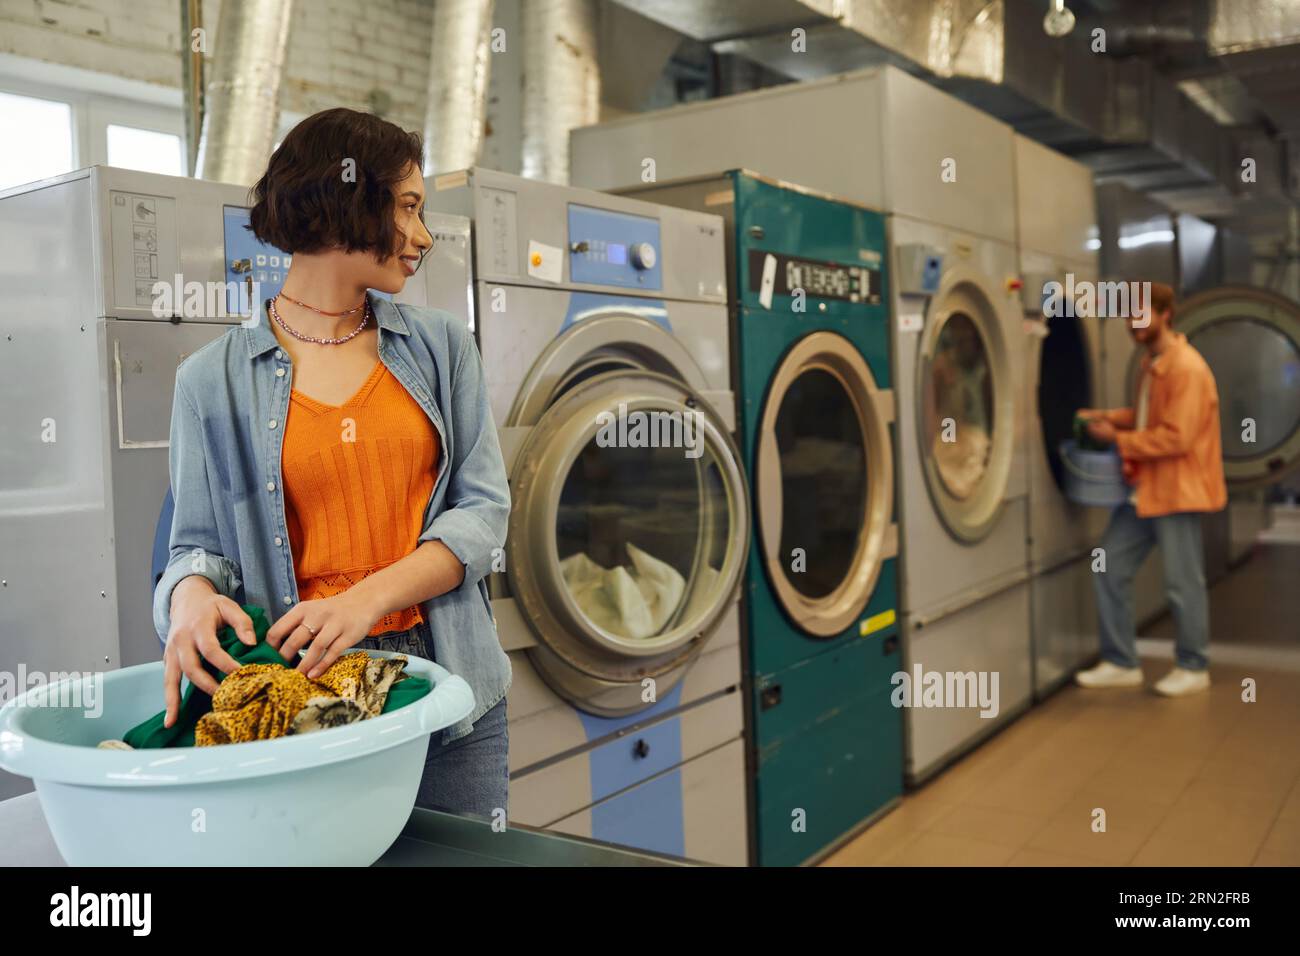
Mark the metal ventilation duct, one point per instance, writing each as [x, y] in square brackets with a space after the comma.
[243, 99]
[1259, 41]
[994, 54]
[458, 80]
[561, 82]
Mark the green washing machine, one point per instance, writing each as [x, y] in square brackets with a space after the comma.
[810, 303]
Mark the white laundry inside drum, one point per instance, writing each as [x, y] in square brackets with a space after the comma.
[634, 602]
[962, 402]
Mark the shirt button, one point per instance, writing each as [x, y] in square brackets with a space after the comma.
[270, 486]
[271, 423]
[278, 541]
[287, 599]
[279, 354]
[279, 373]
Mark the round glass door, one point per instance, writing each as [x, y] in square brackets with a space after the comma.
[627, 535]
[1251, 340]
[959, 408]
[966, 411]
[824, 485]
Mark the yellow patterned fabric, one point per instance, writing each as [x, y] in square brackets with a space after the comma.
[262, 701]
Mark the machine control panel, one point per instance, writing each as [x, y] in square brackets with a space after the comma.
[919, 269]
[614, 248]
[249, 261]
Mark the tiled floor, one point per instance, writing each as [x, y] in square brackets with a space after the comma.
[1204, 780]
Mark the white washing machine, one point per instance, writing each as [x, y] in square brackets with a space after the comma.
[944, 172]
[617, 597]
[1057, 238]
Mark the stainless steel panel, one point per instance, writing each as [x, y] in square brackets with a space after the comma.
[509, 212]
[1056, 211]
[139, 361]
[58, 596]
[714, 810]
[991, 636]
[901, 132]
[1064, 613]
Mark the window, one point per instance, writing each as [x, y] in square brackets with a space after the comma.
[39, 137]
[145, 149]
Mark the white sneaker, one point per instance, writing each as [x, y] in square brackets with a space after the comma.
[1107, 674]
[1180, 683]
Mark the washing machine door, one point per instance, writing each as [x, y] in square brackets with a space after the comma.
[966, 406]
[1067, 380]
[1251, 340]
[628, 536]
[824, 483]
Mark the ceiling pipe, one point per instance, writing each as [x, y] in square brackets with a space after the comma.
[458, 82]
[561, 82]
[243, 99]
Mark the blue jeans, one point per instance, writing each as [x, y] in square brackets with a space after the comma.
[1127, 542]
[470, 775]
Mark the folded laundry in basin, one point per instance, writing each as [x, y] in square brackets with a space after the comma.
[267, 699]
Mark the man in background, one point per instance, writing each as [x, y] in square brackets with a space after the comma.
[1172, 457]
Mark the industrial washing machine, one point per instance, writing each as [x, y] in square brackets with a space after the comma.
[1056, 228]
[617, 595]
[810, 337]
[944, 174]
[84, 497]
[1250, 338]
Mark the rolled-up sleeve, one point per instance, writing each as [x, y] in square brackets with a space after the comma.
[194, 544]
[473, 524]
[1182, 417]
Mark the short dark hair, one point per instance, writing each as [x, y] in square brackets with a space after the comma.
[304, 202]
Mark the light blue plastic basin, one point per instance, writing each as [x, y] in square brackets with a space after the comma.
[1093, 478]
[335, 797]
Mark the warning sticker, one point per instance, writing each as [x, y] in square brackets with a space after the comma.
[876, 622]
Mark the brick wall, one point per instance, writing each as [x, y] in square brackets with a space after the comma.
[339, 50]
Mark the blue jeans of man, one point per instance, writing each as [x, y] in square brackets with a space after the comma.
[1127, 542]
[470, 775]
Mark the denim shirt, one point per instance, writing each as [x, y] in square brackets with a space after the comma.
[228, 414]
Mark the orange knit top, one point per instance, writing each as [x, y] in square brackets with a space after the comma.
[357, 478]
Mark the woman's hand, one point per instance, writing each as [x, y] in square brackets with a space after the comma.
[327, 628]
[1090, 414]
[197, 613]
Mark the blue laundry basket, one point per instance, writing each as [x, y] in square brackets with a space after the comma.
[1093, 478]
[336, 797]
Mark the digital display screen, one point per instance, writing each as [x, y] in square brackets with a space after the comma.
[616, 253]
[820, 280]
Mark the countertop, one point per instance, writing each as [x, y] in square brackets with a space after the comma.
[429, 839]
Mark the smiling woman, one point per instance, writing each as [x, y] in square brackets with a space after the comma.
[377, 493]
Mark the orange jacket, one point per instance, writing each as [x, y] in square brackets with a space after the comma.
[1177, 460]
